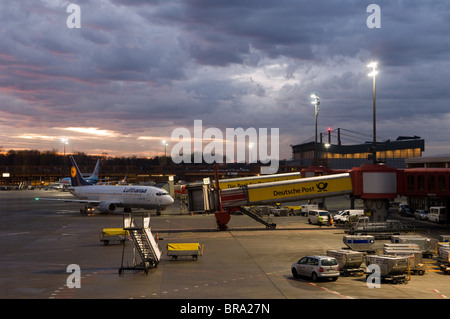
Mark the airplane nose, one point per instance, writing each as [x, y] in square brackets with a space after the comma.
[168, 200]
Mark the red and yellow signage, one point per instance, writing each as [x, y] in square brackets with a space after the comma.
[304, 188]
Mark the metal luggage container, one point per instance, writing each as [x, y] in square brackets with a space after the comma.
[426, 245]
[349, 261]
[444, 238]
[443, 250]
[443, 258]
[360, 242]
[445, 254]
[415, 261]
[391, 267]
[412, 247]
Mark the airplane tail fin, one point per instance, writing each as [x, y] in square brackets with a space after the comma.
[75, 175]
[94, 177]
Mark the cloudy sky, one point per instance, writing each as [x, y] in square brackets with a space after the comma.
[136, 70]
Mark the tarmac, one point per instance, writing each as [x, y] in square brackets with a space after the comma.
[41, 241]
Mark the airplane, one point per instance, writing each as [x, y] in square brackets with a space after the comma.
[93, 179]
[107, 198]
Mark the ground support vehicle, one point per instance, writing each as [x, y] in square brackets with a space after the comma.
[443, 258]
[279, 211]
[176, 250]
[346, 215]
[110, 235]
[381, 230]
[145, 244]
[392, 268]
[319, 217]
[306, 208]
[350, 261]
[294, 210]
[438, 214]
[426, 245]
[361, 243]
[412, 251]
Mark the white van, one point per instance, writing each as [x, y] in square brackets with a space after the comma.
[306, 208]
[320, 217]
[437, 214]
[344, 216]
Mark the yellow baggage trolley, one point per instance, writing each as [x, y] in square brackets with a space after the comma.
[176, 250]
[118, 235]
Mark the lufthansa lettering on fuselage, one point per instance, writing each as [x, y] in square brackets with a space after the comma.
[135, 190]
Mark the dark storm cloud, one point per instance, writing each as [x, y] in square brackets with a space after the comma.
[150, 66]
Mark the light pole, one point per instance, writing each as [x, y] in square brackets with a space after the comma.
[165, 146]
[65, 141]
[373, 74]
[316, 103]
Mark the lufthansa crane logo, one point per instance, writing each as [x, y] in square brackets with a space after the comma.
[322, 186]
[73, 172]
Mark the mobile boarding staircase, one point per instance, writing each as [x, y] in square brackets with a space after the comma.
[257, 215]
[138, 226]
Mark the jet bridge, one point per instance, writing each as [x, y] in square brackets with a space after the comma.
[288, 191]
[374, 184]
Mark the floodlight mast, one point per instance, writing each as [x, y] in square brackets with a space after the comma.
[316, 103]
[373, 74]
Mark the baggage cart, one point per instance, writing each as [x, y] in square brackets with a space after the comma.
[392, 268]
[414, 255]
[443, 258]
[349, 261]
[111, 235]
[381, 230]
[444, 238]
[364, 243]
[176, 250]
[426, 245]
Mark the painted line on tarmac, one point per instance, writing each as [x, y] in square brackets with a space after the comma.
[14, 234]
[328, 290]
[438, 292]
[210, 284]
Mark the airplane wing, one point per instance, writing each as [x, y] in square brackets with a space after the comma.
[81, 201]
[69, 200]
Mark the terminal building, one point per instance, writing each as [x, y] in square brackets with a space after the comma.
[435, 161]
[336, 155]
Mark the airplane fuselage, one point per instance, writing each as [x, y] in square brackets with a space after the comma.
[124, 196]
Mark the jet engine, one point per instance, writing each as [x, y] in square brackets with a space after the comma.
[106, 207]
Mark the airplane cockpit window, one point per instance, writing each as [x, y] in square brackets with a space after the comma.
[161, 193]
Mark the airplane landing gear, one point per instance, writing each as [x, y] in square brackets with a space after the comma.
[88, 209]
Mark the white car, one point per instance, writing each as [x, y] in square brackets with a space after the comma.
[316, 267]
[421, 214]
